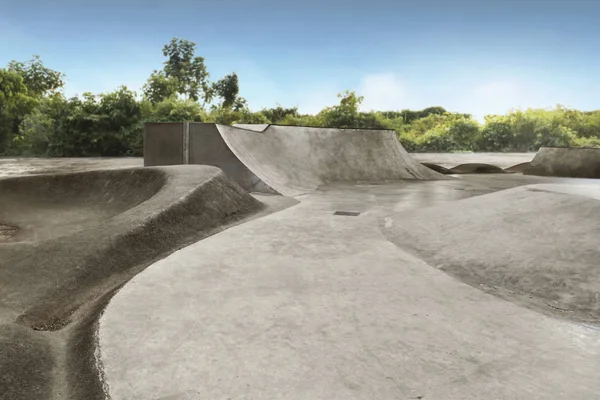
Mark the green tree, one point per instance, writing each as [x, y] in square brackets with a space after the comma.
[188, 70]
[159, 87]
[15, 104]
[228, 89]
[278, 114]
[39, 79]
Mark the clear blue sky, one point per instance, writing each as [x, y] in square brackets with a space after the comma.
[476, 56]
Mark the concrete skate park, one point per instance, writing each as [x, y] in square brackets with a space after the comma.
[274, 262]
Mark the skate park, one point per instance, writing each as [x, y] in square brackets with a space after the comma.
[265, 261]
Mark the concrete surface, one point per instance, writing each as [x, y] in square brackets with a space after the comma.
[566, 162]
[537, 244]
[305, 304]
[80, 237]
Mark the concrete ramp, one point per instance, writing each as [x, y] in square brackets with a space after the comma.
[294, 159]
[288, 160]
[566, 162]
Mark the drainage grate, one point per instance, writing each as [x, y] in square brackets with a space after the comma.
[7, 231]
[347, 213]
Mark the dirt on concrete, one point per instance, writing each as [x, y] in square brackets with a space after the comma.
[58, 272]
[514, 243]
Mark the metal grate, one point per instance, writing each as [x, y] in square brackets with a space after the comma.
[347, 213]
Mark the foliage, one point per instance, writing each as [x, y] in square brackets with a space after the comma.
[37, 119]
[187, 70]
[15, 104]
[39, 79]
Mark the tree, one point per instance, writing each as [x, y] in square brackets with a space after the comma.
[39, 79]
[188, 69]
[159, 87]
[278, 114]
[15, 104]
[227, 89]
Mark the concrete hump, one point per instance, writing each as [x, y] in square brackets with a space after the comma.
[541, 252]
[296, 159]
[567, 162]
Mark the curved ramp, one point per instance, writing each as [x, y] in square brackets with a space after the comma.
[566, 162]
[294, 159]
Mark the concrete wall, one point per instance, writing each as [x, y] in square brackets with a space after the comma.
[164, 143]
[566, 162]
[196, 143]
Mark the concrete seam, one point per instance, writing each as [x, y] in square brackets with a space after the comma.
[186, 143]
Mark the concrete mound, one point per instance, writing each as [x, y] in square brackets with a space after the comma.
[107, 223]
[519, 168]
[536, 244]
[476, 168]
[74, 239]
[288, 160]
[566, 162]
[437, 168]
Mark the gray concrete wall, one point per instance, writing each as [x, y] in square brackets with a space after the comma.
[566, 162]
[207, 147]
[163, 143]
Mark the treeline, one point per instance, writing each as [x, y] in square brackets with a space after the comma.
[36, 119]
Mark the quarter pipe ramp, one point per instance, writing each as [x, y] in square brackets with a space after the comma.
[288, 160]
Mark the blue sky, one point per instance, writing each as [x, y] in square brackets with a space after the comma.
[476, 56]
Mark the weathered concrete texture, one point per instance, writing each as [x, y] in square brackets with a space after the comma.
[305, 304]
[207, 147]
[566, 162]
[26, 363]
[294, 160]
[536, 243]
